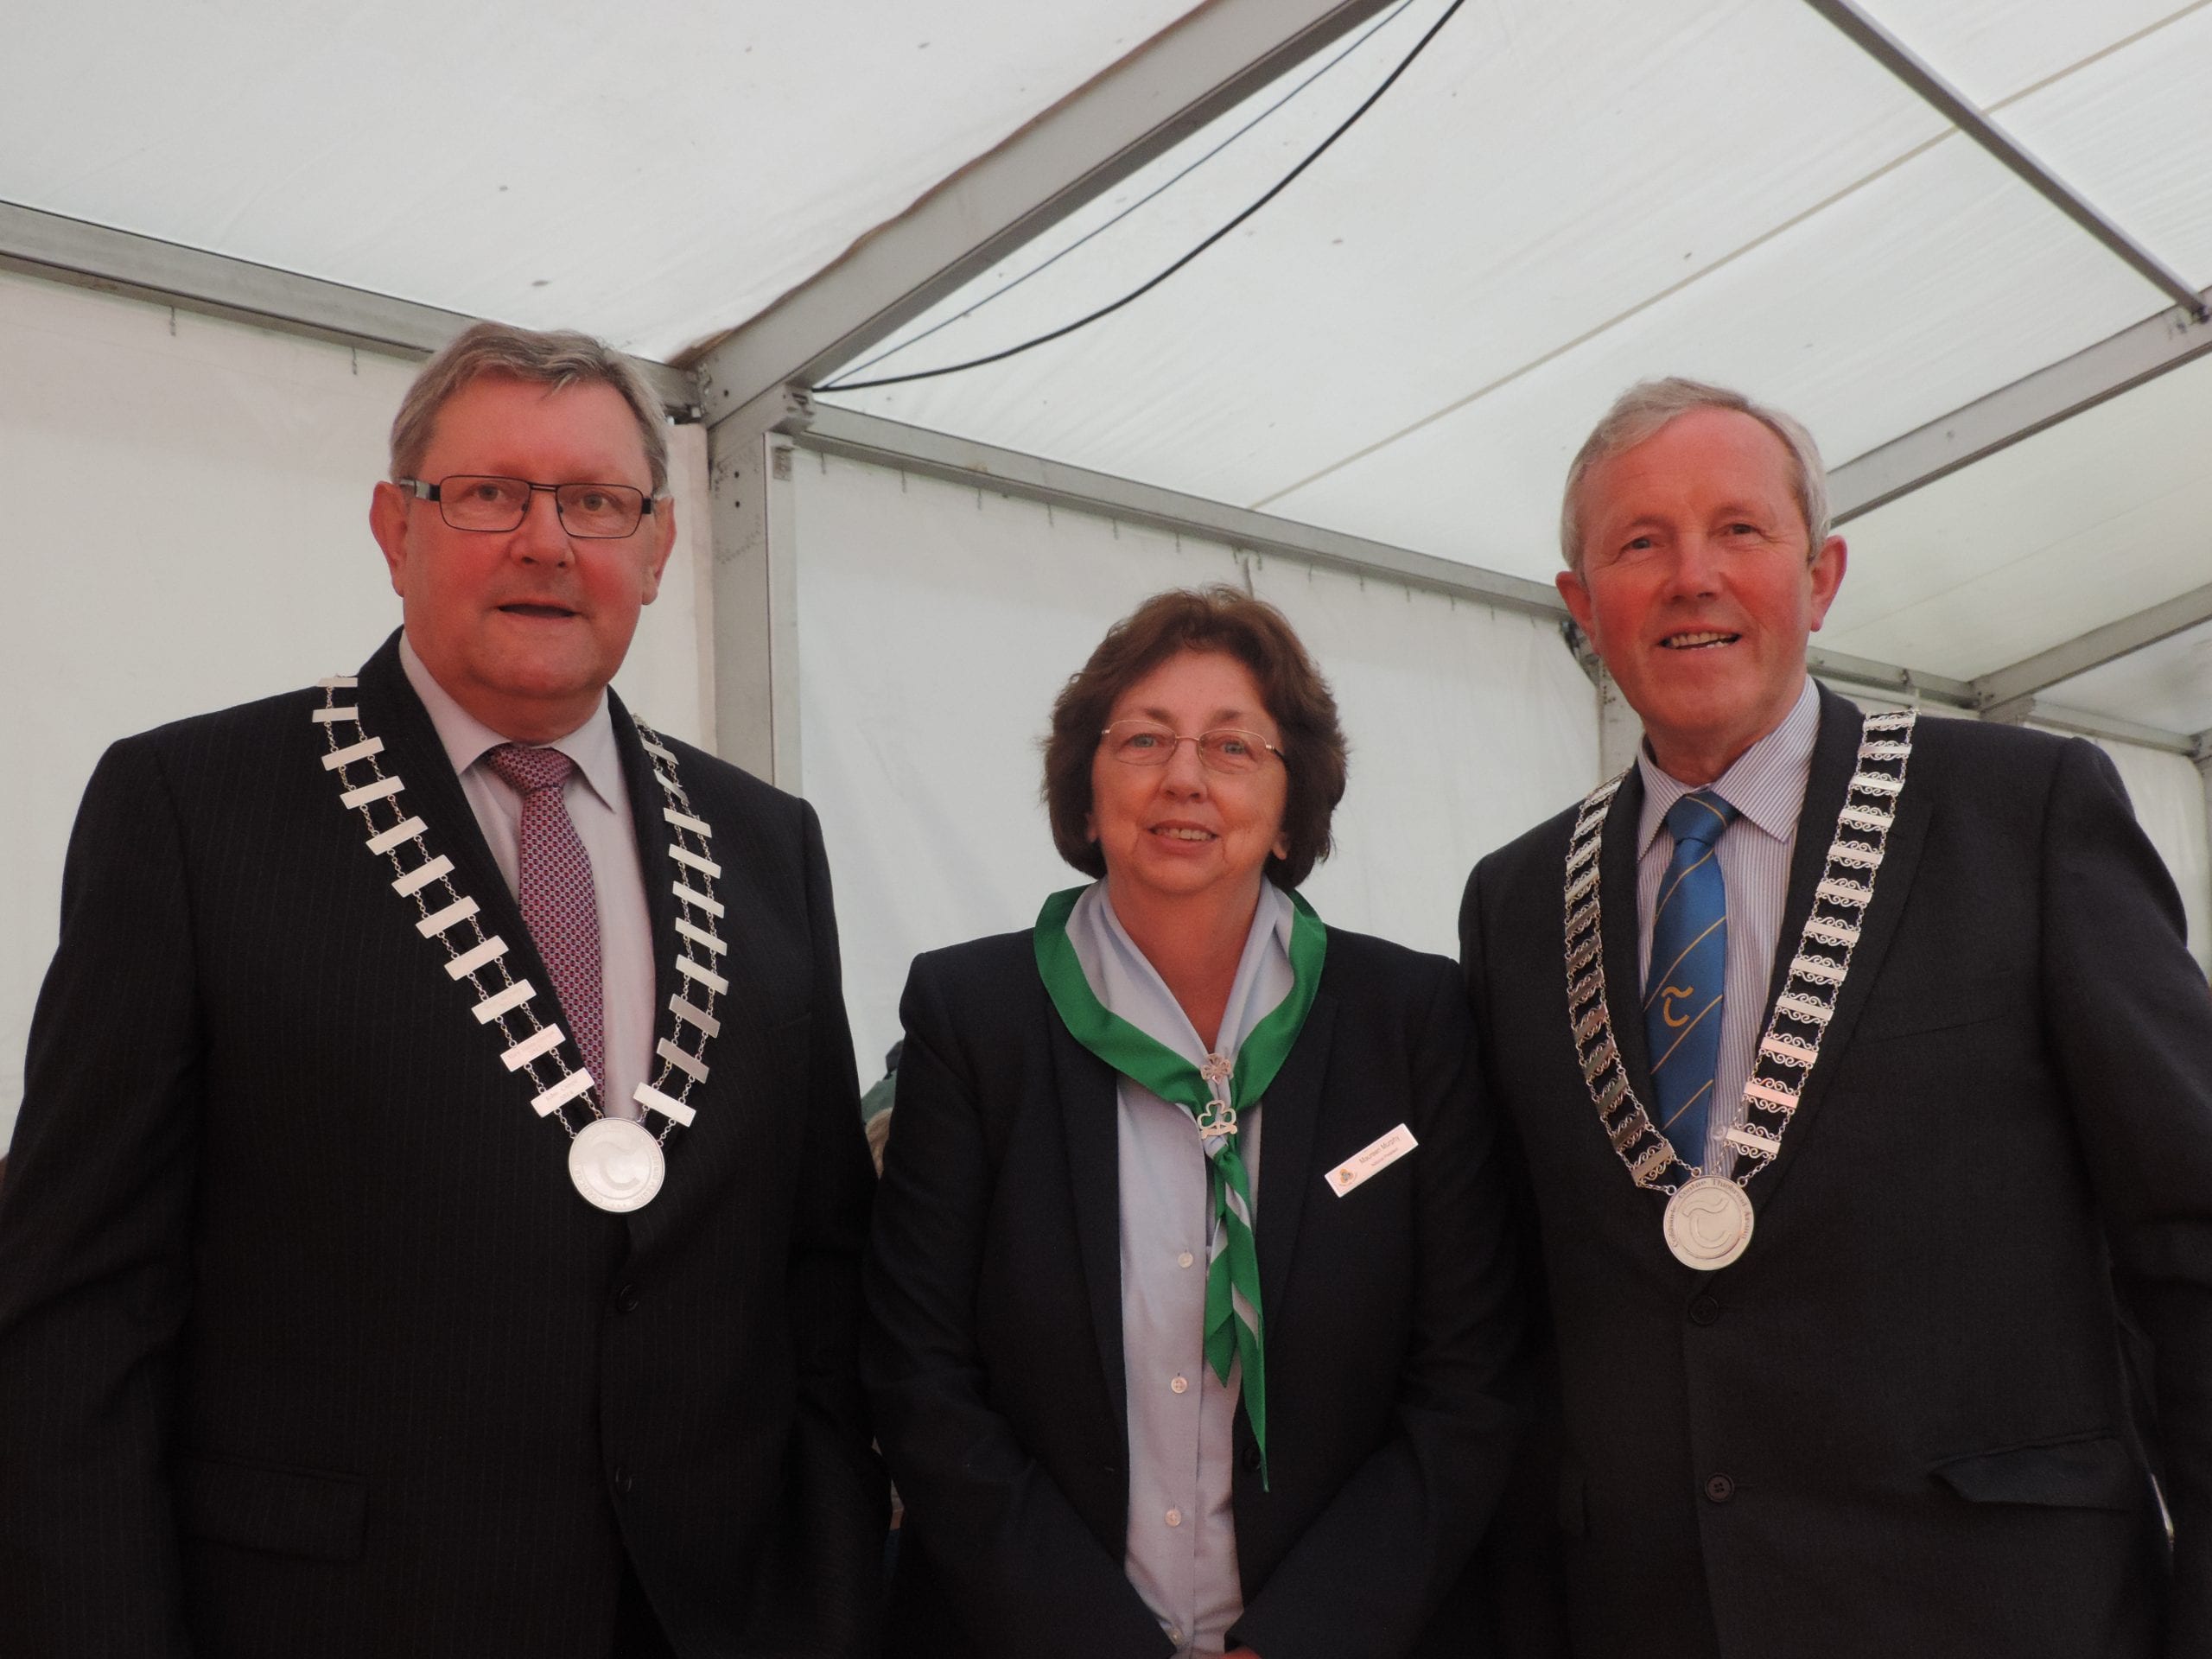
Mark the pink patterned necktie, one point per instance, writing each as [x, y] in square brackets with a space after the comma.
[559, 904]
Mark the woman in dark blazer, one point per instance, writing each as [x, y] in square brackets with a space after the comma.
[1194, 1323]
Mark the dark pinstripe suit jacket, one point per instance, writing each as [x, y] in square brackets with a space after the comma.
[1902, 1423]
[307, 1345]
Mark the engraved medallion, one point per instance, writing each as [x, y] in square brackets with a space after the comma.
[1708, 1223]
[616, 1164]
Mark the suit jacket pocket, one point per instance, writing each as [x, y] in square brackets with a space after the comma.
[2095, 1473]
[260, 1506]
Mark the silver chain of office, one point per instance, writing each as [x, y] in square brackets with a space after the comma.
[1791, 1044]
[608, 1164]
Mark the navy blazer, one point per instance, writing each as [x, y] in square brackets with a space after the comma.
[1922, 1412]
[307, 1345]
[994, 1358]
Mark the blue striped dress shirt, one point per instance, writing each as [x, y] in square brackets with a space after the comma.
[1766, 785]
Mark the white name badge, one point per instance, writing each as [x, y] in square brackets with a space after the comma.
[1378, 1154]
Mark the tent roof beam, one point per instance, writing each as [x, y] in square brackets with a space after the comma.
[827, 429]
[1076, 151]
[1961, 111]
[2084, 722]
[2113, 365]
[168, 273]
[2093, 649]
[915, 450]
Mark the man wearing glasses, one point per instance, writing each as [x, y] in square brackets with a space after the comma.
[435, 1213]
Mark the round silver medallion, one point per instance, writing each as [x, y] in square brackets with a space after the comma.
[616, 1164]
[1708, 1223]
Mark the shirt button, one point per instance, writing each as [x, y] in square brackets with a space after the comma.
[1181, 1384]
[1704, 1310]
[1174, 1517]
[1185, 1260]
[1720, 1489]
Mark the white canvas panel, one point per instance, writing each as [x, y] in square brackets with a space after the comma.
[936, 625]
[1545, 171]
[192, 531]
[1937, 282]
[937, 622]
[1995, 50]
[2132, 132]
[2089, 521]
[2167, 685]
[655, 174]
[1467, 724]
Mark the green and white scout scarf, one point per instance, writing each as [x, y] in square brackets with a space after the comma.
[1212, 1093]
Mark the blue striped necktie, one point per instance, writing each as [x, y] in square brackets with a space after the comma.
[1683, 990]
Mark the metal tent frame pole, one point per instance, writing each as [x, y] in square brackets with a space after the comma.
[142, 267]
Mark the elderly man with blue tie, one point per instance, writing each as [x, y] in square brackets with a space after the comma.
[1865, 1086]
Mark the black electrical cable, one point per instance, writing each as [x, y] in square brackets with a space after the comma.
[1157, 191]
[1107, 310]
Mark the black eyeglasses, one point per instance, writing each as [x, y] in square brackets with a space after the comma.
[592, 511]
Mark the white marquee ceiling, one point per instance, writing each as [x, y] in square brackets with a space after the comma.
[654, 172]
[1559, 198]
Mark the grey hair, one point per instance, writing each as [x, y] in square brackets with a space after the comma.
[1638, 414]
[556, 360]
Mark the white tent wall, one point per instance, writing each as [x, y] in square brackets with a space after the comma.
[189, 529]
[936, 623]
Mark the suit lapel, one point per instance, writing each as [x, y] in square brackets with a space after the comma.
[1835, 757]
[1090, 1110]
[697, 1155]
[1624, 976]
[1289, 1119]
[704, 1158]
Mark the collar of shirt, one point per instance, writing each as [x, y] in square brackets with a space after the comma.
[466, 738]
[1766, 783]
[1124, 979]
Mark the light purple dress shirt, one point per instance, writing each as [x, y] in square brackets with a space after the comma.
[1766, 785]
[1181, 1550]
[598, 799]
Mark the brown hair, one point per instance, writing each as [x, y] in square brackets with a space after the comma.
[1219, 618]
[555, 361]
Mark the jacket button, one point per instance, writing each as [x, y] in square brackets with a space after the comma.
[1720, 1489]
[624, 1481]
[625, 1299]
[1251, 1457]
[1704, 1310]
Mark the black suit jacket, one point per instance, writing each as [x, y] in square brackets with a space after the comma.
[307, 1344]
[1906, 1420]
[995, 1359]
